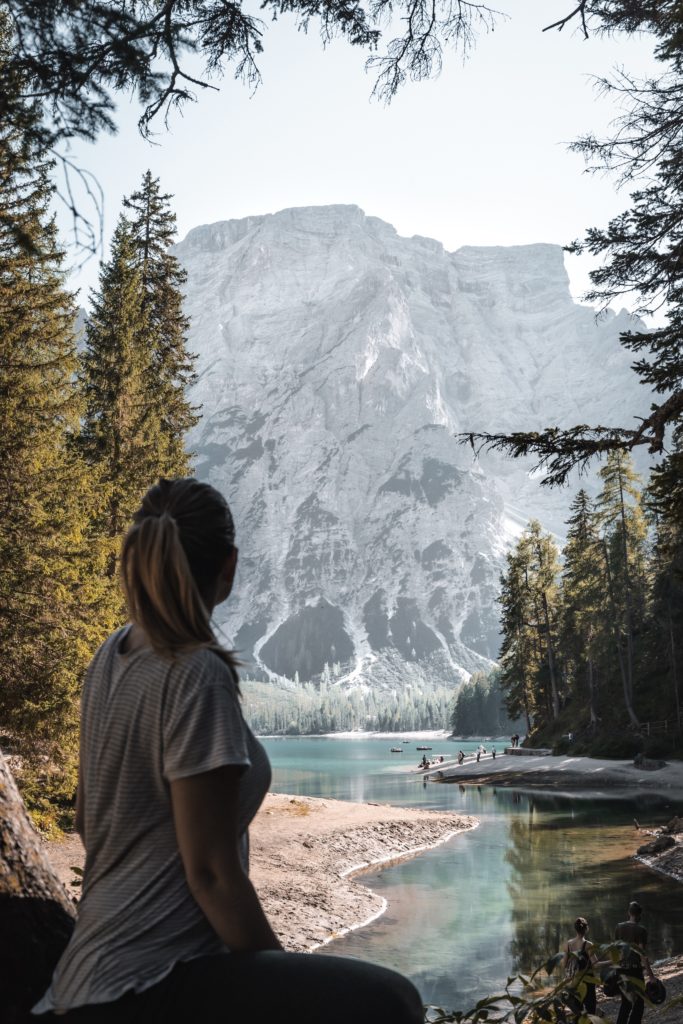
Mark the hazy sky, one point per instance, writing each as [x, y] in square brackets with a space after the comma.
[477, 156]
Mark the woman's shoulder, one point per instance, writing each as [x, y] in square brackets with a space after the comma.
[107, 647]
[204, 666]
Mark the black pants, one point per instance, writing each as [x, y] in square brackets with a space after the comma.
[590, 1002]
[631, 1012]
[261, 988]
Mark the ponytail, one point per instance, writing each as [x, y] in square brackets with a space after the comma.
[170, 561]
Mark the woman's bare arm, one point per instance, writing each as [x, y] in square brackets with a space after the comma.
[205, 811]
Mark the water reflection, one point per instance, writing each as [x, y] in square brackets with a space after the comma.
[571, 859]
[463, 917]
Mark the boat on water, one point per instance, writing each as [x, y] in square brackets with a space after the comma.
[396, 750]
[423, 748]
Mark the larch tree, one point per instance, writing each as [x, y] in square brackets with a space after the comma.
[542, 578]
[624, 547]
[519, 653]
[583, 601]
[52, 604]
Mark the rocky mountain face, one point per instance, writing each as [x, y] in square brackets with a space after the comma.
[336, 362]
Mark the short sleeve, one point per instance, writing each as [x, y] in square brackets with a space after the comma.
[203, 725]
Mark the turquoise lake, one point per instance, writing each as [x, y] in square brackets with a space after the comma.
[496, 900]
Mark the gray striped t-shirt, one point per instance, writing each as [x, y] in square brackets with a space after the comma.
[145, 721]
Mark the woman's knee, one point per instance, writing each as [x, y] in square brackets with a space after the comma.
[373, 993]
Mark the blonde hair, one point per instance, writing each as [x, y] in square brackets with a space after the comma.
[170, 563]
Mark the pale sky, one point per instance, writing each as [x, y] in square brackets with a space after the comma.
[475, 157]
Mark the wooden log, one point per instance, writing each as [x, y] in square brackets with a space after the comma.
[36, 914]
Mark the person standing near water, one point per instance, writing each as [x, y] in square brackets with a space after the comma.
[632, 962]
[578, 957]
[169, 926]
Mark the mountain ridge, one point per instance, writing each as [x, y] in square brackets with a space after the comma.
[337, 360]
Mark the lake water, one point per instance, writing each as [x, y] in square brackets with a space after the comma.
[496, 900]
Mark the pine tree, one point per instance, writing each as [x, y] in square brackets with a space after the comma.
[530, 675]
[52, 607]
[121, 436]
[152, 230]
[584, 601]
[624, 552]
[518, 654]
[542, 577]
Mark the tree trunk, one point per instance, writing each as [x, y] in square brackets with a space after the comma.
[551, 659]
[620, 654]
[591, 694]
[627, 591]
[674, 669]
[36, 915]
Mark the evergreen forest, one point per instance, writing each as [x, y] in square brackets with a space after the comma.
[315, 708]
[479, 708]
[85, 424]
[593, 634]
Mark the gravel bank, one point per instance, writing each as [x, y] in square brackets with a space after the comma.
[306, 855]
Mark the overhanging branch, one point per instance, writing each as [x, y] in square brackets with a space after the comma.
[560, 451]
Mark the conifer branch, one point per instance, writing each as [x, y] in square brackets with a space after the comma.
[559, 451]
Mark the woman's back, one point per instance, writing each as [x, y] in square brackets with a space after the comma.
[145, 721]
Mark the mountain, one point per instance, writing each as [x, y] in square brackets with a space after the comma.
[336, 362]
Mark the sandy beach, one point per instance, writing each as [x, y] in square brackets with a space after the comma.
[562, 773]
[306, 855]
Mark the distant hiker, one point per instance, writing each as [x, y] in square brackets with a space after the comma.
[578, 958]
[461, 757]
[478, 755]
[633, 961]
[425, 762]
[170, 928]
[493, 753]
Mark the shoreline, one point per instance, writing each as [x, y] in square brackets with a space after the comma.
[563, 772]
[306, 856]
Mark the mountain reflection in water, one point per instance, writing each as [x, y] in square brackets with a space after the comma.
[497, 900]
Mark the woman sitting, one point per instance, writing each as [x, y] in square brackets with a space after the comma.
[169, 928]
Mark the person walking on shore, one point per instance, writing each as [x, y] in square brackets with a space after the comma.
[169, 926]
[633, 962]
[578, 958]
